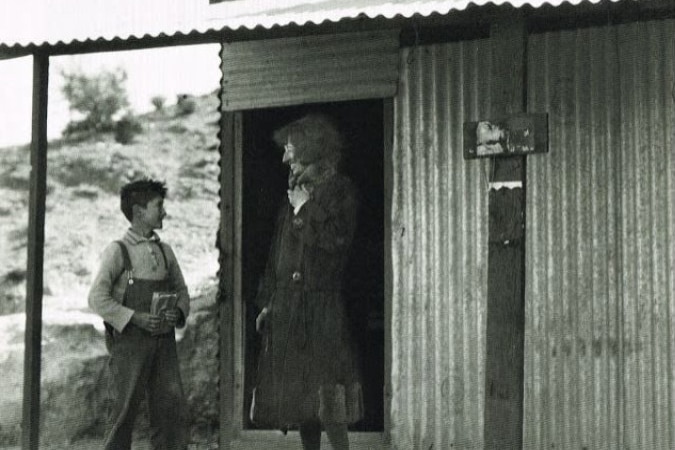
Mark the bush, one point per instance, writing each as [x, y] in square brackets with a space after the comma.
[126, 128]
[158, 102]
[97, 97]
[186, 104]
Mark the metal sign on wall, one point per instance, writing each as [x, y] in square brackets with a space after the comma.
[511, 136]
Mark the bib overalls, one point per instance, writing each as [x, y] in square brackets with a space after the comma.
[139, 364]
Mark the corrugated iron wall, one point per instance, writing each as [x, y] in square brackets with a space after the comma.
[439, 234]
[600, 324]
[599, 303]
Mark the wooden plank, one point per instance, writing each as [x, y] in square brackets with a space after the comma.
[226, 291]
[388, 117]
[36, 239]
[231, 313]
[503, 420]
[238, 306]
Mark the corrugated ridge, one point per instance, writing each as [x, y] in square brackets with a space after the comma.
[232, 16]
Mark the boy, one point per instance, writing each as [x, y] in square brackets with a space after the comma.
[142, 345]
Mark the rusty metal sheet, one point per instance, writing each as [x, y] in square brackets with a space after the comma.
[439, 232]
[309, 69]
[599, 294]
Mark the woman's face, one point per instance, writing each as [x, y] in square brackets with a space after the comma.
[290, 158]
[289, 153]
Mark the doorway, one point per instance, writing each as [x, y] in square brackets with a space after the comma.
[264, 189]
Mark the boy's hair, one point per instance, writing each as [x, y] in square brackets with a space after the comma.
[140, 192]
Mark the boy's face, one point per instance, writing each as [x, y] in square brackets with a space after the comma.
[153, 213]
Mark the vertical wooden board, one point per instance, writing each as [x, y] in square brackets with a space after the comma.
[388, 127]
[226, 291]
[504, 378]
[238, 306]
[505, 321]
[36, 239]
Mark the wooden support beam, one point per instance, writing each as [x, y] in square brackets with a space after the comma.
[388, 128]
[36, 239]
[230, 276]
[226, 291]
[503, 419]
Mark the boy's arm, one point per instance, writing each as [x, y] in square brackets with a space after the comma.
[178, 282]
[100, 298]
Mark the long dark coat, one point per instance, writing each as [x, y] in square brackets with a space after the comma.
[308, 368]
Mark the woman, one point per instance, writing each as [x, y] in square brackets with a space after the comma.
[307, 373]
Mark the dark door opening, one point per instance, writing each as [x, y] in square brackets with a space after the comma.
[265, 180]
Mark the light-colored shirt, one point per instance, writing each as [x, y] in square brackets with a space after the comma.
[107, 290]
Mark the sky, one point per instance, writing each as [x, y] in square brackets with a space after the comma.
[165, 71]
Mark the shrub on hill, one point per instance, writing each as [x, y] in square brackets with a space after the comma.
[96, 97]
[126, 128]
[158, 102]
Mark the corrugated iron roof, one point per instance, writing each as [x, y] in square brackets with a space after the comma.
[50, 22]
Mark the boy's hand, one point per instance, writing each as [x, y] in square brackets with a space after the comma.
[172, 317]
[147, 321]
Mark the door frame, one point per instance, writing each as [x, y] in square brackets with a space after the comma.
[232, 310]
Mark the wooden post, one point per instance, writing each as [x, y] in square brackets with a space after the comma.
[504, 377]
[36, 239]
[388, 128]
[230, 309]
[226, 275]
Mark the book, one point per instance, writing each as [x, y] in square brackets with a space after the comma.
[161, 303]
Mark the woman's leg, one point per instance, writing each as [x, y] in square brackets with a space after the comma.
[310, 434]
[337, 435]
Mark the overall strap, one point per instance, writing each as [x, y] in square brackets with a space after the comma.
[127, 261]
[166, 264]
[128, 268]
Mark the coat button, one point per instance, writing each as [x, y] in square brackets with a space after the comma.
[298, 222]
[297, 276]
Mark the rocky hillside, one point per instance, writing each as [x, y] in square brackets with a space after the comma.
[84, 177]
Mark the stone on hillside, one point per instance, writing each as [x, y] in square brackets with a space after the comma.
[198, 355]
[86, 191]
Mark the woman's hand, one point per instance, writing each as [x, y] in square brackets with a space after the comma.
[298, 196]
[261, 320]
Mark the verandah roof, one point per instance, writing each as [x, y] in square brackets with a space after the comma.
[26, 23]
